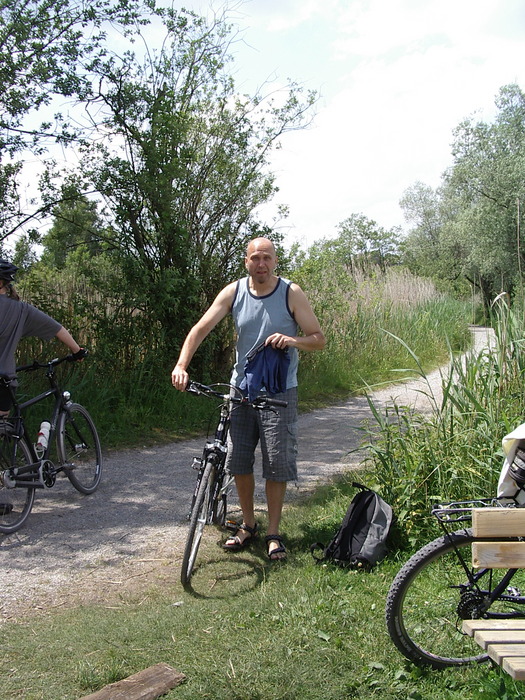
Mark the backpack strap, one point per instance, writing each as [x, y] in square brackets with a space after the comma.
[313, 547]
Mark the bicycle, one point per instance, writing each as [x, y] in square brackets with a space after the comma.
[209, 500]
[438, 587]
[24, 467]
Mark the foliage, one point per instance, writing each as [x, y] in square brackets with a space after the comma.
[471, 227]
[453, 453]
[45, 48]
[177, 158]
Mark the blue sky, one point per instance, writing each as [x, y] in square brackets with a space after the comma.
[395, 78]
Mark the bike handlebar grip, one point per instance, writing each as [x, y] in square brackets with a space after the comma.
[79, 355]
[277, 402]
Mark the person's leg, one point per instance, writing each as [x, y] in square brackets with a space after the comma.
[242, 441]
[5, 401]
[279, 451]
[275, 491]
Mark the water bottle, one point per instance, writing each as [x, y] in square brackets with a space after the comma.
[43, 437]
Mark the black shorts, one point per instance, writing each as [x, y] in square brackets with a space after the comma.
[5, 399]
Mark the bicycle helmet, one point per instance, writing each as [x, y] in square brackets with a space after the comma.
[7, 271]
[517, 468]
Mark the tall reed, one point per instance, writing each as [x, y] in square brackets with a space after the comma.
[453, 450]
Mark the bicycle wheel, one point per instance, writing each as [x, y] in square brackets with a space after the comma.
[432, 594]
[79, 449]
[15, 503]
[201, 515]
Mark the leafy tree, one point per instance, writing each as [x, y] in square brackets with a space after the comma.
[182, 166]
[362, 242]
[46, 47]
[483, 192]
[77, 231]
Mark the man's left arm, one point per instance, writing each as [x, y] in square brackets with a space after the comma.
[313, 337]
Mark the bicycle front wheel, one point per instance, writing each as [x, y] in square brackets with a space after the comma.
[200, 516]
[79, 448]
[15, 503]
[435, 591]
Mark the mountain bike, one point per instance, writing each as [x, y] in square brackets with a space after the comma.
[438, 587]
[25, 466]
[209, 500]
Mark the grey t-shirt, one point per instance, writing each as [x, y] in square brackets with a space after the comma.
[18, 319]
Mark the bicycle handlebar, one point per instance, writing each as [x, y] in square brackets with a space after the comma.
[73, 357]
[260, 402]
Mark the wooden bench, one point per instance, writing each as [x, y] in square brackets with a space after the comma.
[503, 640]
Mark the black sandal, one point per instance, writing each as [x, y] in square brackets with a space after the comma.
[281, 549]
[236, 542]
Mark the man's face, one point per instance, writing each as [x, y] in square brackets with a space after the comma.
[260, 260]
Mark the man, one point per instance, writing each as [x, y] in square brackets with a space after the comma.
[266, 309]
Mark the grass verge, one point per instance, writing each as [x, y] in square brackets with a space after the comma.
[249, 629]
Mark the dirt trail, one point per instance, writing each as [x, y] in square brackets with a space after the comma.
[131, 532]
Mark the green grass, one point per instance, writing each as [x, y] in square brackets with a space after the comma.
[249, 629]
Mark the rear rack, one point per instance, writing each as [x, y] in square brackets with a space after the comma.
[459, 511]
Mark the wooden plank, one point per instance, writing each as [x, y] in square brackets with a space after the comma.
[148, 684]
[515, 667]
[486, 637]
[504, 642]
[498, 522]
[471, 626]
[498, 652]
[498, 555]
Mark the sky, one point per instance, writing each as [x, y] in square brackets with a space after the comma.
[394, 77]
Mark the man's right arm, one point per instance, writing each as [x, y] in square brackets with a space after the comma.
[217, 311]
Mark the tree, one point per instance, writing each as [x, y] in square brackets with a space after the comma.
[77, 232]
[182, 166]
[46, 48]
[483, 191]
[363, 242]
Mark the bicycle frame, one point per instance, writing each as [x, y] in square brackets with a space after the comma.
[41, 473]
[461, 511]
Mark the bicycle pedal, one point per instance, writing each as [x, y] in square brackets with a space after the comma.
[232, 525]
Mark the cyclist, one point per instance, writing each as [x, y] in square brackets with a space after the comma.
[269, 310]
[18, 319]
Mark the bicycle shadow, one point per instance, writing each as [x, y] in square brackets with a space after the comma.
[217, 579]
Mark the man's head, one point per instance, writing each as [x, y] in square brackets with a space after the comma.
[261, 259]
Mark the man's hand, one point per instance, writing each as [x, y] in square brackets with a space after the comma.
[179, 378]
[280, 341]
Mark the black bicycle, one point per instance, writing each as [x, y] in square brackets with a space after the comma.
[209, 501]
[25, 467]
[438, 588]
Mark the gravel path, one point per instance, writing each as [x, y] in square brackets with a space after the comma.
[131, 532]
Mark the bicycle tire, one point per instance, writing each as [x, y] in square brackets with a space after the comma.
[200, 517]
[15, 503]
[431, 596]
[79, 450]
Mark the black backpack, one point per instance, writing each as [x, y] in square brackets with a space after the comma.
[360, 541]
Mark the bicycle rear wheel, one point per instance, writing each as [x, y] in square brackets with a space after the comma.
[15, 503]
[79, 448]
[432, 594]
[201, 515]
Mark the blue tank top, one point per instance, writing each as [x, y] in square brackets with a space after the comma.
[256, 318]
